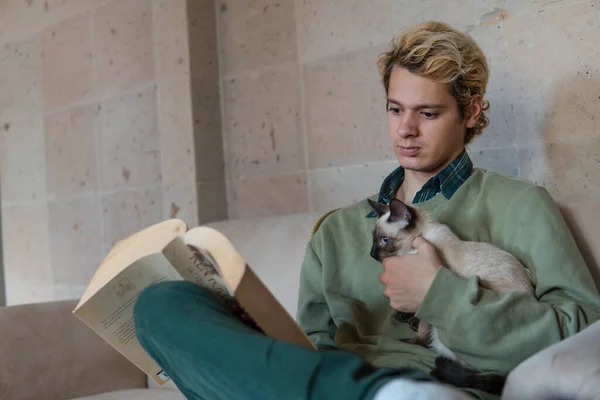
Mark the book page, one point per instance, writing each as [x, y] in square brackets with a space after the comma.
[195, 264]
[230, 263]
[254, 298]
[145, 242]
[110, 311]
[267, 311]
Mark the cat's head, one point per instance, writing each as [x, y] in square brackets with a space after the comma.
[397, 225]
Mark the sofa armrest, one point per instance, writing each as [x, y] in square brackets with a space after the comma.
[47, 353]
[569, 369]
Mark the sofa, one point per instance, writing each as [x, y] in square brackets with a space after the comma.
[47, 353]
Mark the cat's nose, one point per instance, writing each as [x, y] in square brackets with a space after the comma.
[374, 252]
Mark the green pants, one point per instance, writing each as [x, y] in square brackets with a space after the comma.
[210, 354]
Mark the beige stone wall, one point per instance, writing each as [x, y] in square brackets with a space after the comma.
[304, 112]
[115, 114]
[101, 134]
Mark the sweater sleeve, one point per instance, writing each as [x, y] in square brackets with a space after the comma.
[495, 332]
[313, 313]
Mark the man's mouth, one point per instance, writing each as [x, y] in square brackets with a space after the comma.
[409, 150]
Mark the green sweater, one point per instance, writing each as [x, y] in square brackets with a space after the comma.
[341, 302]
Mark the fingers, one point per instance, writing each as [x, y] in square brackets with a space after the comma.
[390, 267]
[419, 242]
[387, 292]
[392, 262]
[384, 277]
[422, 245]
[391, 273]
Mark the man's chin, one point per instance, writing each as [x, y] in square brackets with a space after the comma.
[415, 164]
[411, 163]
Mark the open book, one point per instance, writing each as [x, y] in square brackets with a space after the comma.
[168, 251]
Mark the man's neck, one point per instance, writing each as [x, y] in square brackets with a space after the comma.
[413, 182]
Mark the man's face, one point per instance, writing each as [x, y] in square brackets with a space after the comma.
[425, 127]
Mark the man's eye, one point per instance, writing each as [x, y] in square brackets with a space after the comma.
[383, 240]
[429, 115]
[394, 110]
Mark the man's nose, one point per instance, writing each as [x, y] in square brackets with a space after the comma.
[407, 125]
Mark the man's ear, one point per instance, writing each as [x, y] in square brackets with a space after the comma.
[474, 110]
[379, 208]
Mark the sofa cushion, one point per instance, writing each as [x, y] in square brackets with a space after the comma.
[47, 353]
[137, 394]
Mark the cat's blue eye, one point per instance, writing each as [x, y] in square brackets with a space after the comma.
[384, 239]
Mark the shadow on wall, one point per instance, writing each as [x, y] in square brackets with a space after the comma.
[568, 159]
[494, 149]
[2, 282]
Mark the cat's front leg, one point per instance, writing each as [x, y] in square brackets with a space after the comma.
[422, 337]
[409, 318]
[402, 316]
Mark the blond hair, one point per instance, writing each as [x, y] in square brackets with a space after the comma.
[436, 51]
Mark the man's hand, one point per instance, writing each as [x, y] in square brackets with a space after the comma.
[407, 278]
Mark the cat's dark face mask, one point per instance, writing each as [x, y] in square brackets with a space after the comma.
[375, 249]
[401, 216]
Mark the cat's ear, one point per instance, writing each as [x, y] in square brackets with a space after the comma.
[400, 212]
[379, 208]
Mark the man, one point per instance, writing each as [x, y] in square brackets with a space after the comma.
[435, 79]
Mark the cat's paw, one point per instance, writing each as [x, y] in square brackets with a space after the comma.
[402, 316]
[413, 324]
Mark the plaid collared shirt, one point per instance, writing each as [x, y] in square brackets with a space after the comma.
[446, 181]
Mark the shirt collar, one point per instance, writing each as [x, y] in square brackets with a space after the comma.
[447, 181]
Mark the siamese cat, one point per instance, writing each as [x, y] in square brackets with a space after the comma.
[397, 226]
